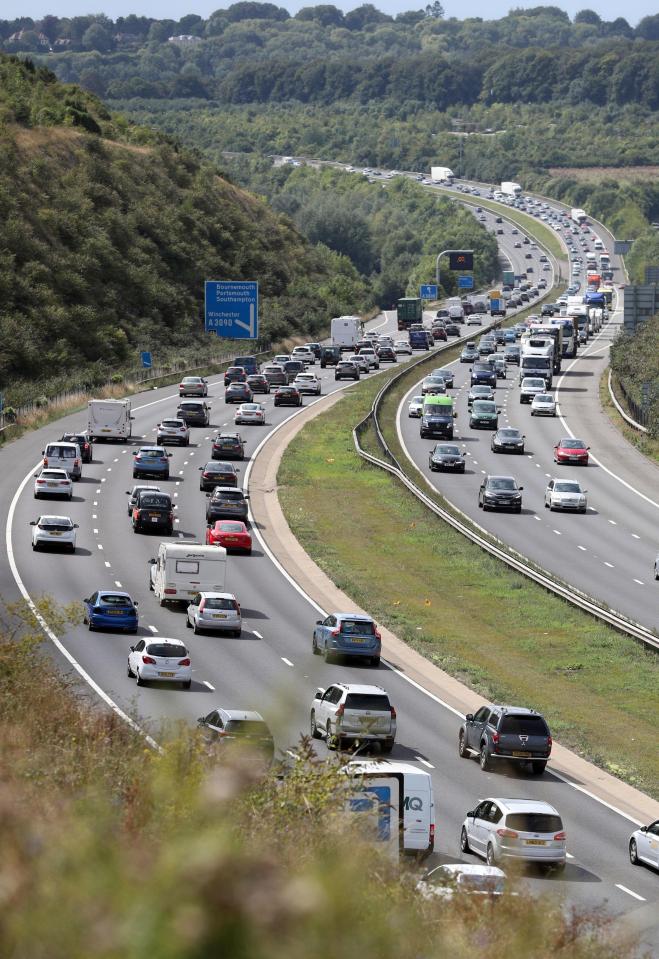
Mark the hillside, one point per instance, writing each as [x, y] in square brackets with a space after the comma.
[109, 232]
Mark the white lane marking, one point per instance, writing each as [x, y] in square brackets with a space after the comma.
[287, 661]
[180, 473]
[636, 536]
[152, 628]
[95, 503]
[630, 892]
[640, 582]
[178, 483]
[116, 459]
[98, 491]
[583, 548]
[102, 479]
[98, 546]
[613, 522]
[558, 532]
[107, 564]
[610, 565]
[95, 532]
[569, 855]
[94, 516]
[191, 454]
[258, 635]
[289, 752]
[46, 628]
[185, 463]
[209, 685]
[424, 761]
[538, 518]
[118, 584]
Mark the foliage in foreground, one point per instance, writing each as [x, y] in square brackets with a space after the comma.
[113, 850]
[635, 362]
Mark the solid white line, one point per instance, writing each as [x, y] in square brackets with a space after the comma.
[613, 522]
[287, 661]
[640, 582]
[152, 628]
[211, 687]
[425, 762]
[258, 635]
[569, 855]
[630, 892]
[610, 565]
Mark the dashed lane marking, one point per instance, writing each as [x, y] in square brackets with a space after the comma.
[287, 661]
[630, 892]
[209, 685]
[424, 761]
[258, 635]
[610, 565]
[118, 584]
[152, 628]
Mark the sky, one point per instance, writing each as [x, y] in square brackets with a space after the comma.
[633, 11]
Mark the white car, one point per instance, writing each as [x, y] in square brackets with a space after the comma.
[307, 383]
[307, 356]
[52, 482]
[402, 347]
[565, 494]
[371, 355]
[543, 404]
[216, 612]
[54, 531]
[476, 319]
[416, 406]
[362, 361]
[644, 845]
[250, 413]
[522, 829]
[530, 387]
[281, 358]
[462, 878]
[160, 660]
[173, 431]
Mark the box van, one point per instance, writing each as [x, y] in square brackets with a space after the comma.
[418, 803]
[109, 420]
[180, 571]
[248, 363]
[63, 456]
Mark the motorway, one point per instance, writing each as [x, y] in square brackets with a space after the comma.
[271, 667]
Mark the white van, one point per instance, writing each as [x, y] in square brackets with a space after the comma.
[63, 456]
[109, 420]
[180, 571]
[418, 804]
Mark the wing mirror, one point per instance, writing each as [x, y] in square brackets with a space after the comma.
[33, 522]
[319, 622]
[318, 694]
[469, 718]
[520, 487]
[151, 561]
[132, 649]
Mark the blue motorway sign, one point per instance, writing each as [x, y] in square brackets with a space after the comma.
[146, 360]
[465, 282]
[232, 308]
[428, 291]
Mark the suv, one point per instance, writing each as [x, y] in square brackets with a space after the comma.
[226, 502]
[347, 711]
[347, 634]
[228, 446]
[153, 510]
[506, 732]
[329, 356]
[194, 412]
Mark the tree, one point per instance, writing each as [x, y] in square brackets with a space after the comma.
[251, 10]
[588, 16]
[410, 17]
[435, 10]
[365, 15]
[49, 26]
[97, 37]
[191, 25]
[648, 28]
[161, 30]
[325, 14]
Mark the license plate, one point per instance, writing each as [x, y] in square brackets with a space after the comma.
[358, 640]
[535, 842]
[166, 674]
[52, 484]
[191, 592]
[154, 519]
[114, 612]
[219, 615]
[521, 755]
[55, 534]
[104, 430]
[575, 457]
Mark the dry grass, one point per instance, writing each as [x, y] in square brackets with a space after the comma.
[595, 174]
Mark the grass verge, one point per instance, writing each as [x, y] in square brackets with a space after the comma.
[505, 637]
[644, 444]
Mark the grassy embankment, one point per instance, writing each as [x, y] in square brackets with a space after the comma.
[469, 614]
[644, 444]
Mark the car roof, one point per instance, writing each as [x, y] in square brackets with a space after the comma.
[524, 805]
[113, 592]
[493, 476]
[211, 594]
[361, 688]
[57, 519]
[360, 616]
[54, 469]
[247, 715]
[226, 489]
[164, 639]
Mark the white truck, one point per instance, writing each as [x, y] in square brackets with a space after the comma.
[510, 188]
[441, 174]
[181, 570]
[455, 308]
[577, 215]
[346, 331]
[109, 420]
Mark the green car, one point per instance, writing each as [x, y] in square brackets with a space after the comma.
[484, 415]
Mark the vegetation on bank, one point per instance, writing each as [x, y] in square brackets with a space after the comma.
[635, 363]
[112, 849]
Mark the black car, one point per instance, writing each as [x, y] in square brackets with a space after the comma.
[482, 374]
[153, 511]
[329, 356]
[345, 370]
[447, 456]
[237, 393]
[226, 503]
[452, 329]
[83, 442]
[217, 474]
[500, 492]
[292, 368]
[446, 374]
[513, 733]
[258, 383]
[194, 413]
[387, 355]
[550, 309]
[479, 392]
[507, 440]
[288, 396]
[512, 353]
[228, 446]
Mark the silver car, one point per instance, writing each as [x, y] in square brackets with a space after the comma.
[350, 711]
[416, 406]
[193, 386]
[543, 404]
[566, 495]
[644, 845]
[173, 431]
[530, 386]
[215, 612]
[523, 829]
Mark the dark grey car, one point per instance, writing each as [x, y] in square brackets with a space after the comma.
[514, 733]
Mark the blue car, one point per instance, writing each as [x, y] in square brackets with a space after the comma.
[347, 634]
[110, 609]
[510, 336]
[151, 461]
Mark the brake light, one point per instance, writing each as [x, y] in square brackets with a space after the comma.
[170, 592]
[550, 743]
[340, 711]
[206, 475]
[432, 832]
[171, 517]
[377, 634]
[76, 462]
[562, 836]
[236, 606]
[41, 482]
[393, 713]
[136, 514]
[507, 834]
[495, 738]
[201, 605]
[149, 660]
[45, 461]
[184, 662]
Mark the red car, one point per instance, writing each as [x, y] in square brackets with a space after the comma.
[230, 533]
[569, 450]
[439, 333]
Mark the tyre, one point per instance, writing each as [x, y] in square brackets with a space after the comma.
[313, 729]
[633, 852]
[91, 627]
[330, 738]
[195, 629]
[135, 528]
[484, 758]
[328, 654]
[139, 680]
[129, 671]
[188, 623]
[387, 745]
[375, 662]
[464, 841]
[314, 646]
[489, 856]
[187, 684]
[463, 752]
[237, 633]
[538, 767]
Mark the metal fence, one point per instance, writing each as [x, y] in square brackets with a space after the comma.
[639, 413]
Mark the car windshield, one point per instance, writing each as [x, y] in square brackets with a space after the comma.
[510, 434]
[359, 627]
[485, 406]
[502, 482]
[231, 527]
[533, 382]
[174, 424]
[417, 399]
[219, 602]
[227, 440]
[534, 822]
[250, 407]
[166, 649]
[524, 725]
[152, 501]
[572, 444]
[448, 451]
[567, 488]
[151, 452]
[372, 701]
[61, 452]
[544, 398]
[111, 599]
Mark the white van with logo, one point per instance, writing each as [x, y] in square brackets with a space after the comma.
[63, 456]
[418, 803]
[181, 571]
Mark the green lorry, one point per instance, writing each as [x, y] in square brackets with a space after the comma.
[409, 310]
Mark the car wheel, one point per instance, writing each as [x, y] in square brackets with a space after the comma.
[129, 671]
[187, 684]
[387, 745]
[195, 629]
[489, 856]
[484, 759]
[314, 646]
[91, 627]
[330, 738]
[464, 841]
[139, 680]
[538, 767]
[633, 852]
[237, 633]
[313, 729]
[463, 752]
[328, 654]
[135, 528]
[188, 623]
[375, 661]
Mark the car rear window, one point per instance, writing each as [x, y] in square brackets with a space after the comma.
[231, 527]
[229, 495]
[173, 423]
[154, 501]
[191, 407]
[110, 600]
[219, 602]
[56, 524]
[166, 649]
[368, 701]
[534, 822]
[248, 727]
[527, 725]
[357, 627]
[61, 452]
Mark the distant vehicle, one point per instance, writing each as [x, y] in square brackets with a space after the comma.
[346, 371]
[214, 612]
[237, 393]
[83, 443]
[570, 450]
[250, 413]
[173, 431]
[307, 383]
[346, 331]
[153, 511]
[349, 711]
[217, 474]
[330, 356]
[151, 461]
[565, 495]
[543, 404]
[232, 534]
[507, 440]
[447, 456]
[193, 386]
[522, 829]
[441, 174]
[347, 635]
[500, 492]
[110, 609]
[109, 420]
[235, 374]
[402, 347]
[195, 412]
[415, 407]
[287, 396]
[228, 446]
